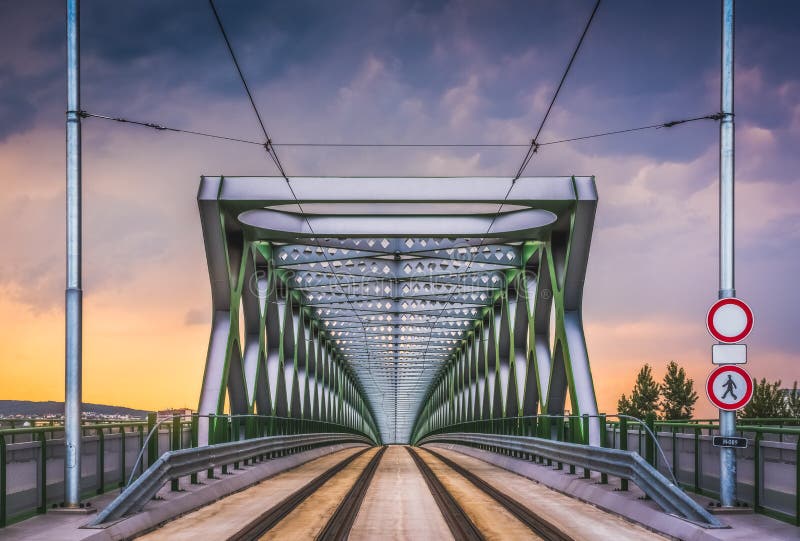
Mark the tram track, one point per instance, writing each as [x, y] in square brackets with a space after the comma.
[537, 523]
[409, 493]
[339, 525]
[396, 492]
[272, 516]
[461, 525]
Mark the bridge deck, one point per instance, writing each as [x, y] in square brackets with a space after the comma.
[227, 516]
[397, 504]
[570, 516]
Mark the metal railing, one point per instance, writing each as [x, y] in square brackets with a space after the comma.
[768, 473]
[187, 462]
[768, 476]
[778, 422]
[32, 458]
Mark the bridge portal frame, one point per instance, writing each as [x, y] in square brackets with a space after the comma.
[271, 352]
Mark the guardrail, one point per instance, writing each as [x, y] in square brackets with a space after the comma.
[615, 462]
[32, 458]
[176, 464]
[768, 476]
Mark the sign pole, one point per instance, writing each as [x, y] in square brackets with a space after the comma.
[727, 419]
[74, 294]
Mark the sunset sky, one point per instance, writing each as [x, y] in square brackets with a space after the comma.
[398, 72]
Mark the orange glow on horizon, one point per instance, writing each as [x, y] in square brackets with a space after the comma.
[138, 360]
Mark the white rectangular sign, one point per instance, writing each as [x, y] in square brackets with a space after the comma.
[729, 354]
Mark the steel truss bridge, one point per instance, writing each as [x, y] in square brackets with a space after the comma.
[352, 313]
[397, 305]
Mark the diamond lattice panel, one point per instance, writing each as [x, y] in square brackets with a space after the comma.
[399, 323]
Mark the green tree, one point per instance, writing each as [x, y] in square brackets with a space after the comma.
[644, 397]
[793, 401]
[624, 406]
[768, 401]
[678, 394]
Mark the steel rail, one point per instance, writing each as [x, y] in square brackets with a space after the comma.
[176, 464]
[461, 525]
[272, 516]
[339, 525]
[540, 525]
[615, 462]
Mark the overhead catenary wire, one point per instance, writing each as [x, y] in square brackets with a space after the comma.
[161, 127]
[669, 124]
[267, 140]
[270, 150]
[534, 146]
[532, 149]
[322, 144]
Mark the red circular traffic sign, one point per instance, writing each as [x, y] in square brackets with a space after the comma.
[729, 320]
[729, 387]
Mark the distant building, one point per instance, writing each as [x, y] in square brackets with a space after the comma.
[172, 412]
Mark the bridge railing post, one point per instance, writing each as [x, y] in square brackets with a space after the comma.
[122, 464]
[603, 443]
[546, 432]
[101, 460]
[585, 438]
[225, 435]
[42, 473]
[195, 435]
[697, 461]
[176, 445]
[248, 434]
[3, 471]
[796, 483]
[623, 445]
[650, 445]
[674, 465]
[152, 445]
[140, 431]
[212, 431]
[573, 436]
